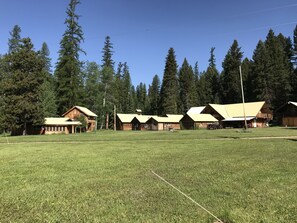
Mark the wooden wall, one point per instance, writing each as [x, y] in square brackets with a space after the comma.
[289, 121]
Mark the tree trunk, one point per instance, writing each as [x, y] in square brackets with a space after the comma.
[107, 120]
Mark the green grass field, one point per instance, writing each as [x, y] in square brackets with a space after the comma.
[106, 176]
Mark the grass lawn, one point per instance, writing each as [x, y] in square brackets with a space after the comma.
[106, 176]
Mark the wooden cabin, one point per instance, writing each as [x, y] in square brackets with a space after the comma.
[170, 122]
[288, 114]
[257, 114]
[77, 111]
[196, 121]
[60, 126]
[124, 121]
[139, 122]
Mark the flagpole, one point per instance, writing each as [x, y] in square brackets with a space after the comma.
[245, 123]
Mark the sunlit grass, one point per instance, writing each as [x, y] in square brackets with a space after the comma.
[106, 177]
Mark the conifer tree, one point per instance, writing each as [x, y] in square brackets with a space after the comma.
[93, 99]
[247, 76]
[48, 95]
[68, 69]
[278, 69]
[169, 88]
[197, 84]
[117, 88]
[107, 80]
[2, 70]
[126, 100]
[188, 93]
[154, 95]
[107, 51]
[294, 61]
[262, 88]
[212, 80]
[202, 90]
[230, 79]
[22, 88]
[141, 97]
[14, 42]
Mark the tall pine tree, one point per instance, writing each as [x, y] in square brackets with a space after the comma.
[154, 95]
[93, 99]
[107, 81]
[22, 89]
[169, 88]
[230, 80]
[14, 42]
[279, 70]
[48, 96]
[247, 76]
[2, 70]
[294, 61]
[212, 80]
[187, 93]
[68, 69]
[127, 99]
[141, 97]
[262, 88]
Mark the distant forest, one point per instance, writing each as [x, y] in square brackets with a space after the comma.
[30, 89]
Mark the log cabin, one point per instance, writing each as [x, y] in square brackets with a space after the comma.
[192, 121]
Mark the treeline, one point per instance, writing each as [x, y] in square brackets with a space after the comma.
[30, 90]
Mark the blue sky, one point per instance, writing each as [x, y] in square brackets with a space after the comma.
[142, 31]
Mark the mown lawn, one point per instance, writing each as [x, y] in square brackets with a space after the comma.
[106, 176]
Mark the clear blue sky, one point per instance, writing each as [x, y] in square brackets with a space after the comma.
[142, 31]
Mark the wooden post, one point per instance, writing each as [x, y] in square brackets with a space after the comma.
[114, 118]
[245, 123]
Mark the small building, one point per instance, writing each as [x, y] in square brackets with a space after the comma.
[196, 121]
[60, 126]
[287, 114]
[170, 122]
[90, 117]
[257, 114]
[124, 121]
[139, 122]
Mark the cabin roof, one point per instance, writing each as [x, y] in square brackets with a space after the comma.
[84, 110]
[168, 119]
[61, 121]
[126, 118]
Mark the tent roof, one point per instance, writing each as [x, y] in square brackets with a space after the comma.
[293, 103]
[202, 118]
[195, 110]
[236, 110]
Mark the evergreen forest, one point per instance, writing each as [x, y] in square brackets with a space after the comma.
[31, 88]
